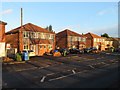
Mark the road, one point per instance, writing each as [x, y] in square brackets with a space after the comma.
[73, 71]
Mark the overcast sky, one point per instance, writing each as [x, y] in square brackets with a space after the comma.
[81, 17]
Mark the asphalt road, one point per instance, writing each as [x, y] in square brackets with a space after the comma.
[73, 71]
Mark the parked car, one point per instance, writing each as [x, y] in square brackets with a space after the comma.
[87, 50]
[91, 49]
[76, 51]
[30, 52]
[62, 50]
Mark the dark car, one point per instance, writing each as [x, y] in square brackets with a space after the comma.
[76, 51]
[62, 50]
[87, 50]
[91, 49]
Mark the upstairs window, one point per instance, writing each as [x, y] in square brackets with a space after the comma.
[94, 39]
[51, 36]
[26, 34]
[83, 39]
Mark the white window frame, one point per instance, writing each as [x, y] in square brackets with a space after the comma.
[25, 34]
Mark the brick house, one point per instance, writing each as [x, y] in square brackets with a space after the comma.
[108, 43]
[31, 37]
[69, 39]
[112, 42]
[116, 42]
[2, 38]
[94, 40]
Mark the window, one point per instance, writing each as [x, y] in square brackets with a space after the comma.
[26, 34]
[51, 36]
[83, 39]
[79, 39]
[25, 47]
[98, 40]
[47, 36]
[36, 34]
[42, 36]
[94, 39]
[40, 46]
[75, 38]
[44, 46]
[32, 35]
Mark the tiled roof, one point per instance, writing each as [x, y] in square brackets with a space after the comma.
[1, 22]
[92, 35]
[69, 33]
[29, 27]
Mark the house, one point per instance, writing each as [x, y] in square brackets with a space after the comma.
[94, 40]
[69, 39]
[108, 43]
[2, 38]
[31, 37]
[112, 42]
[116, 43]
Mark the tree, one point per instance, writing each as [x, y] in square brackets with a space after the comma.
[50, 28]
[47, 28]
[105, 35]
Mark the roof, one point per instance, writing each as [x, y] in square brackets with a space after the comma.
[1, 22]
[109, 39]
[69, 33]
[29, 27]
[92, 35]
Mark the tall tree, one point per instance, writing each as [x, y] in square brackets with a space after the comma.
[50, 28]
[105, 35]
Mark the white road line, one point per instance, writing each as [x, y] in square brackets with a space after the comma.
[66, 76]
[43, 78]
[91, 66]
[73, 71]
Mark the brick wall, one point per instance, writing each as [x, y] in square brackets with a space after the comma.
[2, 32]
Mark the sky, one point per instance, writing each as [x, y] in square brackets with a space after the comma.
[81, 17]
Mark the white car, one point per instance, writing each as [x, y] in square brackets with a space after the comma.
[30, 52]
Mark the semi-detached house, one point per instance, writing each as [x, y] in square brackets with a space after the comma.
[31, 37]
[70, 39]
[93, 40]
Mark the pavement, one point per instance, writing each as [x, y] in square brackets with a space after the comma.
[73, 71]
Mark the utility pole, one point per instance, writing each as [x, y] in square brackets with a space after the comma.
[20, 33]
[21, 17]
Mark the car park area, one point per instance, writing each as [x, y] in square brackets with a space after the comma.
[72, 71]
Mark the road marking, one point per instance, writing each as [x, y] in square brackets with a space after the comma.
[66, 76]
[73, 71]
[43, 78]
[50, 74]
[26, 69]
[91, 66]
[59, 77]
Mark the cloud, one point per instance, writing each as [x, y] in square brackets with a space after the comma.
[102, 12]
[8, 11]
